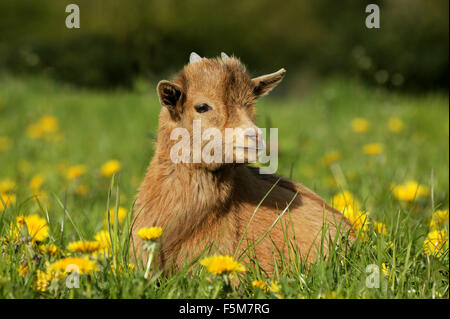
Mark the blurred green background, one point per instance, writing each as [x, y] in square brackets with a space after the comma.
[121, 41]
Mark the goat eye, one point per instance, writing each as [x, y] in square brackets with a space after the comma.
[202, 108]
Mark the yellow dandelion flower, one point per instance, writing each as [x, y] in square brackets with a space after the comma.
[434, 244]
[221, 265]
[330, 158]
[344, 199]
[438, 218]
[150, 233]
[35, 225]
[48, 124]
[259, 284]
[51, 250]
[121, 213]
[36, 182]
[5, 143]
[395, 124]
[84, 246]
[373, 149]
[110, 167]
[275, 287]
[82, 189]
[22, 270]
[105, 242]
[409, 191]
[73, 264]
[103, 238]
[43, 279]
[380, 228]
[6, 200]
[75, 171]
[360, 125]
[7, 185]
[385, 269]
[359, 220]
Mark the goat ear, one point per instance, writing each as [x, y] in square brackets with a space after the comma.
[169, 93]
[265, 83]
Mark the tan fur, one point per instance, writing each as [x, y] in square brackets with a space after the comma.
[201, 204]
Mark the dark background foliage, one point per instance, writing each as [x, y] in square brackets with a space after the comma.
[120, 41]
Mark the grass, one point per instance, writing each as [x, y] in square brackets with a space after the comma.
[97, 126]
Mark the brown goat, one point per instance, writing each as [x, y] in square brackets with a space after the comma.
[199, 204]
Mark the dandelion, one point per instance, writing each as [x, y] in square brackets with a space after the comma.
[48, 124]
[75, 171]
[103, 238]
[331, 158]
[395, 124]
[6, 200]
[43, 279]
[84, 246]
[121, 213]
[385, 269]
[81, 265]
[434, 244]
[409, 191]
[36, 183]
[110, 167]
[275, 287]
[151, 233]
[360, 125]
[36, 227]
[358, 219]
[51, 250]
[22, 270]
[5, 143]
[343, 200]
[46, 127]
[221, 265]
[438, 218]
[380, 228]
[259, 284]
[7, 185]
[373, 149]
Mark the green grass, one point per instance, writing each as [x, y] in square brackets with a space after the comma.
[96, 126]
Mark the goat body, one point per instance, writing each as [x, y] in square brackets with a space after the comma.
[229, 206]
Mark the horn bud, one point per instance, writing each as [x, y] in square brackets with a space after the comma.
[194, 57]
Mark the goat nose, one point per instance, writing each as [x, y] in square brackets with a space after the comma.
[256, 135]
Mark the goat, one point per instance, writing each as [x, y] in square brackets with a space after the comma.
[199, 204]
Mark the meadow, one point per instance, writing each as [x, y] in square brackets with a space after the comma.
[68, 156]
